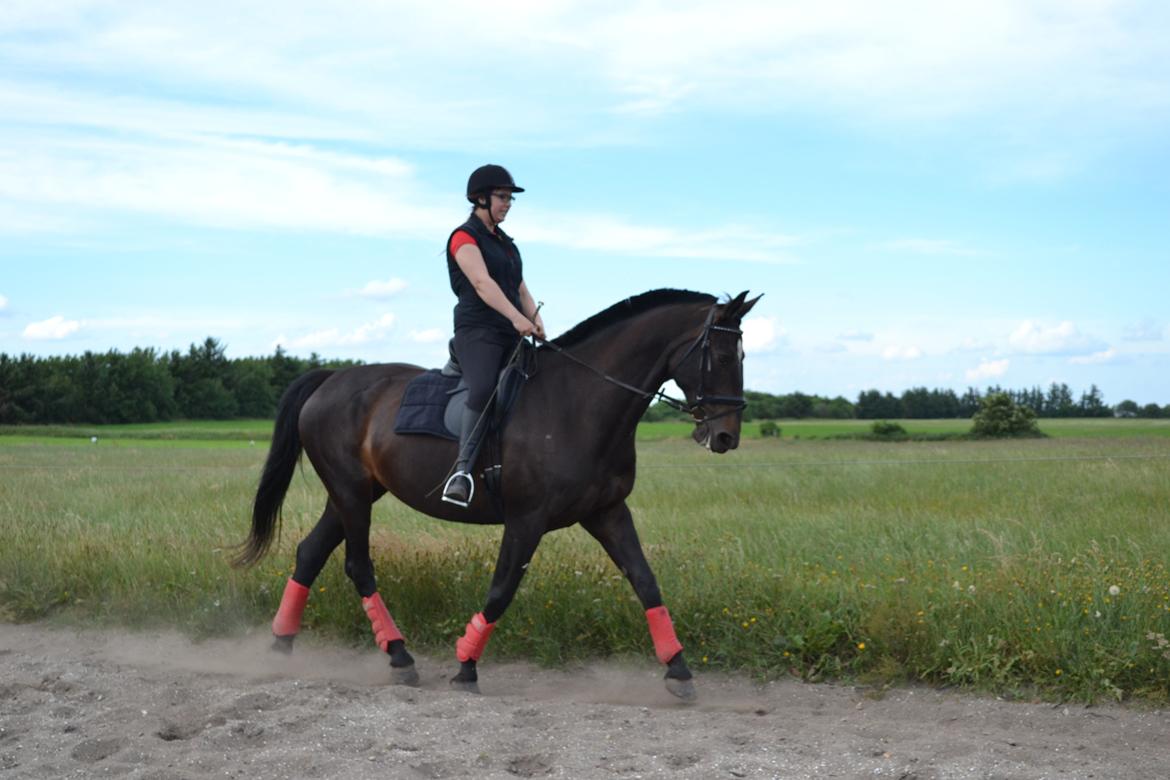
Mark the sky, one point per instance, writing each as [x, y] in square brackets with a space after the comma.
[938, 194]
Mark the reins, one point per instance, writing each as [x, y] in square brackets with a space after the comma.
[695, 410]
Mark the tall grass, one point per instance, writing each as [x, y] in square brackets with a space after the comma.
[1016, 567]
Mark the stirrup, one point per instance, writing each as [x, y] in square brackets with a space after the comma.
[470, 492]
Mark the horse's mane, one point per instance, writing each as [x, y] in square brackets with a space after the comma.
[624, 309]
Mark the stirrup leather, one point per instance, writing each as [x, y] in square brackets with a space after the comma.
[451, 480]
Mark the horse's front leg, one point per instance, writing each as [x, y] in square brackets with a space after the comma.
[516, 549]
[614, 528]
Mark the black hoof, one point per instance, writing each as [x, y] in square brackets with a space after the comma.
[283, 644]
[402, 671]
[679, 680]
[468, 678]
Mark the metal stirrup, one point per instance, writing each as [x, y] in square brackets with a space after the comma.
[470, 493]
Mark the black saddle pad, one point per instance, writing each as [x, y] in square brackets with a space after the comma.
[424, 403]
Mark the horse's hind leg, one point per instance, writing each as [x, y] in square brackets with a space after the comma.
[614, 528]
[312, 553]
[360, 569]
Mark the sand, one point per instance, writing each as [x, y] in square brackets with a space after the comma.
[100, 703]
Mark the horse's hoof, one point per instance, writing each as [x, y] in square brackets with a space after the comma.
[683, 689]
[404, 675]
[465, 686]
[283, 644]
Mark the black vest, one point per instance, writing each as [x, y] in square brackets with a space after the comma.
[502, 259]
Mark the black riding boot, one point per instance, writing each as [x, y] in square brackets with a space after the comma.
[460, 487]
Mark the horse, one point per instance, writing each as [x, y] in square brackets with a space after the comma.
[567, 455]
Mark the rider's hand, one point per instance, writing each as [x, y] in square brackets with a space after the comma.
[538, 324]
[523, 326]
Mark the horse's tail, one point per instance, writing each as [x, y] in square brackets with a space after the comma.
[279, 468]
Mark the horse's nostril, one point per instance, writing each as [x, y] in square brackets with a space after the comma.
[726, 440]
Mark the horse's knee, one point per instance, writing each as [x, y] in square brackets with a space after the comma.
[361, 574]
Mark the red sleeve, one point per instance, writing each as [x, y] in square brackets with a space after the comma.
[458, 239]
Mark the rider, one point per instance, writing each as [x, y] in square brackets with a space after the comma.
[494, 310]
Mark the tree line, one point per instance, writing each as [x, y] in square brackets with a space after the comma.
[145, 385]
[1058, 400]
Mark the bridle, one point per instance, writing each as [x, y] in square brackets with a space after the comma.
[696, 410]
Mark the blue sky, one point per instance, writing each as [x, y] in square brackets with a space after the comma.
[939, 194]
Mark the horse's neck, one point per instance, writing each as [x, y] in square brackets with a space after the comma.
[635, 352]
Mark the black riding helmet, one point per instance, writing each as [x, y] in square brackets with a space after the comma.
[486, 178]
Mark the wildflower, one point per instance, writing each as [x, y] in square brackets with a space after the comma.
[861, 645]
[1114, 590]
[1059, 672]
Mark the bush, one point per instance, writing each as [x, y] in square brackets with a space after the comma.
[887, 429]
[999, 416]
[769, 428]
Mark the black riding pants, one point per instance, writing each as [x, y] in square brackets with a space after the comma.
[481, 355]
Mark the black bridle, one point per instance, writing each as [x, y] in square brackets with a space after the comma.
[696, 410]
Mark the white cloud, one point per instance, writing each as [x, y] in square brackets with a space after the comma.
[379, 290]
[895, 352]
[760, 335]
[1037, 339]
[988, 369]
[856, 335]
[1104, 356]
[3, 303]
[334, 337]
[429, 336]
[52, 329]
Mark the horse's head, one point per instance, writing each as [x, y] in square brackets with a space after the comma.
[710, 374]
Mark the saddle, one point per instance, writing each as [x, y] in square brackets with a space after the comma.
[433, 402]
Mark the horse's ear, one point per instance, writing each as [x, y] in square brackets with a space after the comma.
[736, 309]
[748, 306]
[730, 310]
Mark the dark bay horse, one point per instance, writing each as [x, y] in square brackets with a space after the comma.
[567, 454]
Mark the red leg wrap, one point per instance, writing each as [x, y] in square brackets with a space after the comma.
[470, 646]
[292, 605]
[385, 631]
[666, 644]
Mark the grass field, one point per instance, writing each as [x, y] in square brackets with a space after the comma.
[260, 431]
[1018, 567]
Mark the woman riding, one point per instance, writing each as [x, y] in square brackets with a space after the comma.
[495, 308]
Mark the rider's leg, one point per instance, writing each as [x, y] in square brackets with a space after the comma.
[480, 355]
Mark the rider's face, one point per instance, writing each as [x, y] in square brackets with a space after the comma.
[501, 201]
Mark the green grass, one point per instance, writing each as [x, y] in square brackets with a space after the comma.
[178, 430]
[189, 432]
[978, 564]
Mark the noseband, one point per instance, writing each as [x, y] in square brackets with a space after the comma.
[696, 410]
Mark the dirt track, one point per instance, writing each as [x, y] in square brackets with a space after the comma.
[105, 704]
